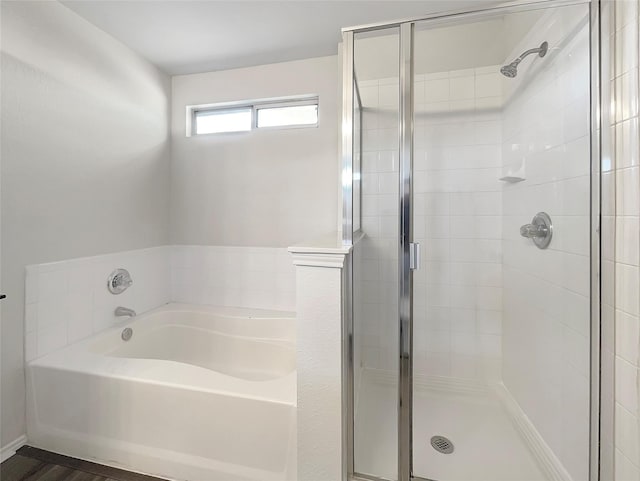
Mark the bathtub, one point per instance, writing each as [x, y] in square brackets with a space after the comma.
[197, 393]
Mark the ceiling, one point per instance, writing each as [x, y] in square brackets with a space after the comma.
[189, 36]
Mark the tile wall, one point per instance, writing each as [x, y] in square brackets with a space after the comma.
[621, 206]
[379, 247]
[457, 220]
[261, 277]
[546, 326]
[68, 301]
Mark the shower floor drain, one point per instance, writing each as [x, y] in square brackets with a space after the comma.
[442, 444]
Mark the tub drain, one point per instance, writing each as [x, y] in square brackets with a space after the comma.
[442, 444]
[126, 333]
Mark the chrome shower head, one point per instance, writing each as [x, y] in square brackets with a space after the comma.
[511, 70]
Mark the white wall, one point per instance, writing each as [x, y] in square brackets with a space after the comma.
[546, 334]
[261, 188]
[85, 159]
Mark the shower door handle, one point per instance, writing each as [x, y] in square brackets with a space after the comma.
[414, 256]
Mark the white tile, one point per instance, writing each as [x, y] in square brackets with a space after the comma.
[489, 345]
[388, 96]
[462, 204]
[627, 331]
[51, 338]
[489, 298]
[488, 132]
[463, 343]
[436, 90]
[627, 287]
[388, 139]
[462, 88]
[53, 299]
[626, 95]
[388, 161]
[626, 382]
[463, 320]
[627, 434]
[488, 85]
[627, 48]
[625, 470]
[369, 96]
[627, 143]
[488, 274]
[388, 183]
[489, 322]
[627, 240]
[628, 191]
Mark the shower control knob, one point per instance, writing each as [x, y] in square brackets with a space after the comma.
[119, 281]
[540, 230]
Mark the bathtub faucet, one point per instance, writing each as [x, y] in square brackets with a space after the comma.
[124, 311]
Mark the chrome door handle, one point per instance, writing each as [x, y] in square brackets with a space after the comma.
[414, 256]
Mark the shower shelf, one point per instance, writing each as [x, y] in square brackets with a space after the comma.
[511, 179]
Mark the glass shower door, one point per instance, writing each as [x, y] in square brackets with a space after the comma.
[501, 322]
[375, 268]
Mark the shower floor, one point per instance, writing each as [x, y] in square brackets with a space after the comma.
[487, 446]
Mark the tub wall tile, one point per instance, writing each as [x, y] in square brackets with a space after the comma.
[69, 301]
[258, 277]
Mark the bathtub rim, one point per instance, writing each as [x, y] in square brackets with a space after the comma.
[79, 358]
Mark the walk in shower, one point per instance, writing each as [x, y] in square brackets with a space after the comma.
[471, 200]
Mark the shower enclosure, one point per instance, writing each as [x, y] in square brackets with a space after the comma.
[470, 196]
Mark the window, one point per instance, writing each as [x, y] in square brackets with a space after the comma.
[243, 117]
[223, 120]
[288, 116]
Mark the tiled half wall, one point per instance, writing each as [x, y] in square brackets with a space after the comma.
[68, 301]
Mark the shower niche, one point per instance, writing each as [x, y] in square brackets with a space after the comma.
[467, 126]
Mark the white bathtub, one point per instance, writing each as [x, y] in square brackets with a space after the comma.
[197, 393]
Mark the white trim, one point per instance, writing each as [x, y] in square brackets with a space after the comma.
[335, 261]
[325, 251]
[540, 450]
[11, 448]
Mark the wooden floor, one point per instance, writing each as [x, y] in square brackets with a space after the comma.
[32, 464]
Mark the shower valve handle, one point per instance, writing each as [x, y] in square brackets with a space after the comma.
[539, 231]
[530, 231]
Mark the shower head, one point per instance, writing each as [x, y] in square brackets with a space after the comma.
[511, 70]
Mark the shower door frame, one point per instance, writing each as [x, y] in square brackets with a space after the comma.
[599, 31]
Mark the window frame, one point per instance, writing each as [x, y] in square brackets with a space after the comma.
[255, 106]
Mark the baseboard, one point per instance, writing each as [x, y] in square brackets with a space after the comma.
[11, 448]
[543, 454]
